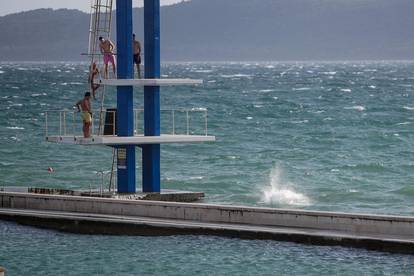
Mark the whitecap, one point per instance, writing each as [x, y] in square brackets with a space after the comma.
[203, 71]
[38, 94]
[266, 90]
[356, 107]
[249, 118]
[300, 122]
[330, 73]
[2, 72]
[15, 127]
[282, 193]
[196, 178]
[22, 69]
[404, 123]
[301, 89]
[258, 106]
[236, 76]
[15, 87]
[275, 98]
[346, 90]
[372, 86]
[212, 81]
[198, 109]
[408, 108]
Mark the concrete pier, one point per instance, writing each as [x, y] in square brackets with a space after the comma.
[132, 217]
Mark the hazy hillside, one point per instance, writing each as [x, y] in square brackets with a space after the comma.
[234, 30]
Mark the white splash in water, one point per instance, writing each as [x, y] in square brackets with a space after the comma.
[282, 193]
[356, 107]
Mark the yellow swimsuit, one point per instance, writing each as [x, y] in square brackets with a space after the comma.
[86, 116]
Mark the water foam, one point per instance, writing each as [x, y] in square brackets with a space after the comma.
[282, 193]
[356, 107]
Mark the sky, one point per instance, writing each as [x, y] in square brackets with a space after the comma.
[13, 6]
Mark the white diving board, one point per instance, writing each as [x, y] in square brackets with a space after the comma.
[133, 140]
[149, 82]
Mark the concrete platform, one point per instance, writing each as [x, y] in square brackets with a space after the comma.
[165, 195]
[135, 217]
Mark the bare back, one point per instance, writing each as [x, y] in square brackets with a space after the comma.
[85, 105]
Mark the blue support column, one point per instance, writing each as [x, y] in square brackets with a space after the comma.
[125, 110]
[151, 153]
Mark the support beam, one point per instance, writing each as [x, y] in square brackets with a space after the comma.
[151, 153]
[125, 112]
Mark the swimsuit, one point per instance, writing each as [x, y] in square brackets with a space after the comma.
[109, 58]
[86, 116]
[137, 59]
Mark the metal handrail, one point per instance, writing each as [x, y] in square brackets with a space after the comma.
[68, 122]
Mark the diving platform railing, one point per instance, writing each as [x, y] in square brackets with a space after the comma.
[181, 125]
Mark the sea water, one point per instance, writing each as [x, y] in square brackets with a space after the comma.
[317, 136]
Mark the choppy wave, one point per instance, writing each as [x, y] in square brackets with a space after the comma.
[356, 107]
[15, 127]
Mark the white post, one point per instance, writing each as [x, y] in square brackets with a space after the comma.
[64, 123]
[206, 114]
[73, 124]
[46, 126]
[60, 123]
[173, 122]
[188, 123]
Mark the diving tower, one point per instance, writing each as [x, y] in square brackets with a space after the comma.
[131, 128]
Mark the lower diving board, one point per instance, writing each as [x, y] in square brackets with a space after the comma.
[134, 140]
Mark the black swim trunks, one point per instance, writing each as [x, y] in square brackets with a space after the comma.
[137, 59]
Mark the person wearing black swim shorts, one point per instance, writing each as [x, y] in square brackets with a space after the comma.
[137, 54]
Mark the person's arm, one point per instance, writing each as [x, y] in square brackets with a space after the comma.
[101, 48]
[78, 105]
[139, 47]
[111, 45]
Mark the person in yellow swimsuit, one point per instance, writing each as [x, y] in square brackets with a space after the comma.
[84, 107]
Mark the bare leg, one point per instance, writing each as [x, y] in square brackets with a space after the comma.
[139, 71]
[114, 69]
[93, 90]
[106, 71]
[86, 130]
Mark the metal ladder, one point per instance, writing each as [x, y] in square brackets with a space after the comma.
[100, 25]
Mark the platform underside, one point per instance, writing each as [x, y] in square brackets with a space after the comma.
[135, 140]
